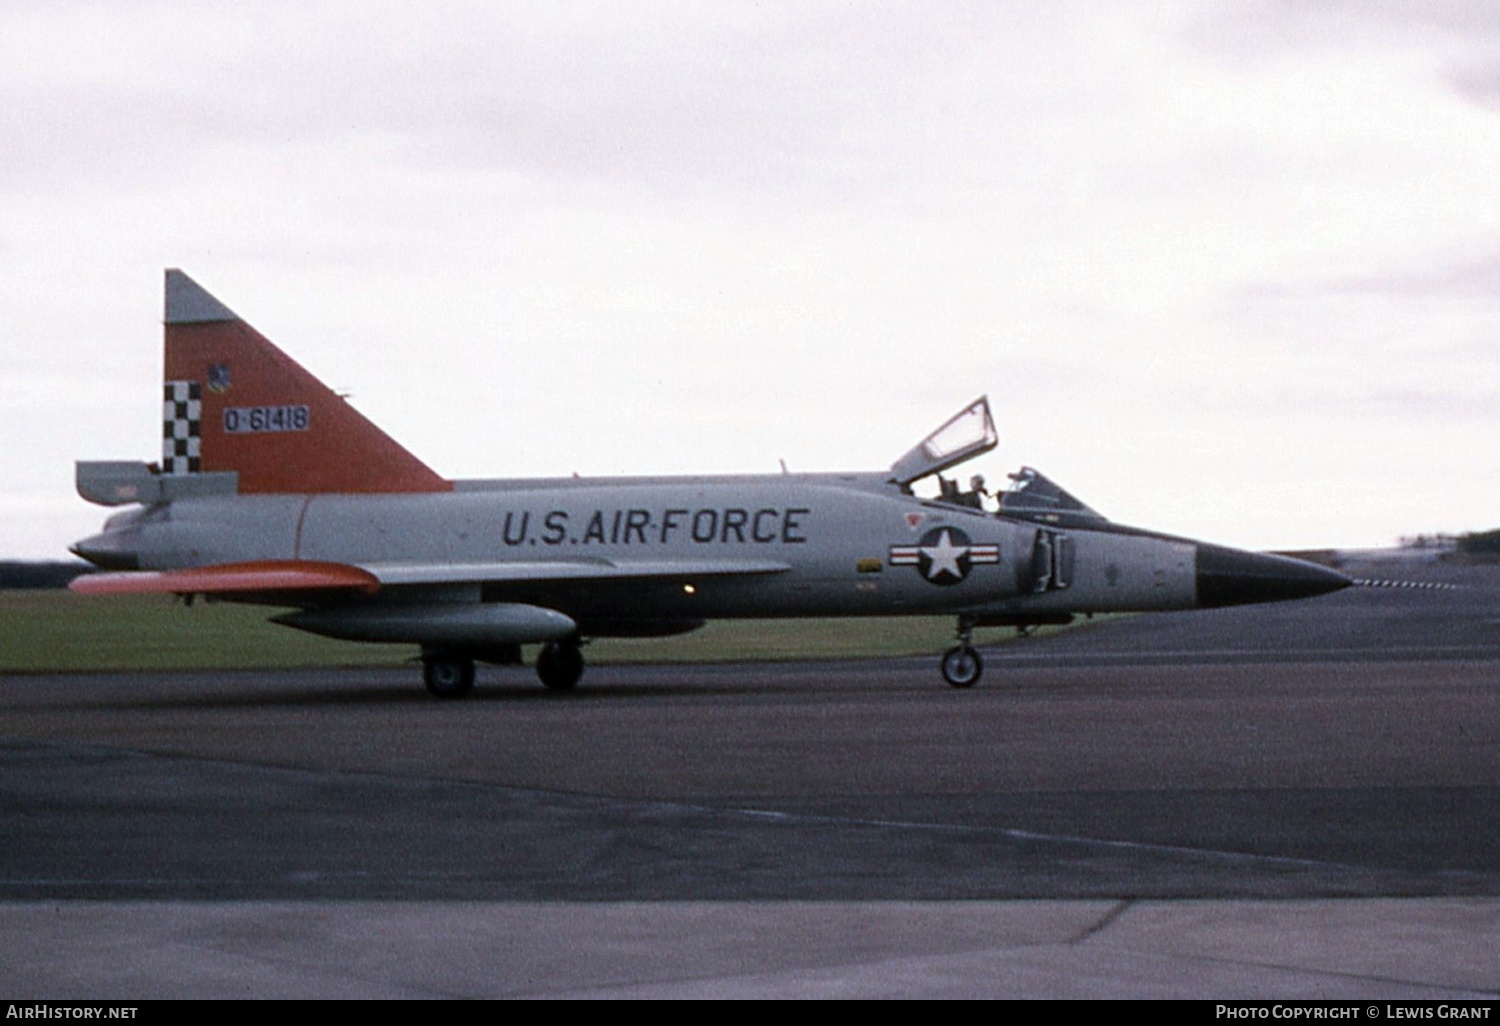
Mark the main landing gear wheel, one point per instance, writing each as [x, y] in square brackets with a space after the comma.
[559, 665]
[447, 675]
[962, 666]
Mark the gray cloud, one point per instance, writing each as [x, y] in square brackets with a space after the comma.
[1172, 238]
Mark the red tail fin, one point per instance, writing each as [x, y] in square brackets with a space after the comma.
[233, 401]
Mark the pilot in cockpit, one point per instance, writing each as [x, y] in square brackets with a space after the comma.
[973, 498]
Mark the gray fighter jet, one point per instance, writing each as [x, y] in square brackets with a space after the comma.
[272, 489]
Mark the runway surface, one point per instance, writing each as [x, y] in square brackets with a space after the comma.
[1241, 802]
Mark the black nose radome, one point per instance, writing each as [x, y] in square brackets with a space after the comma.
[1232, 577]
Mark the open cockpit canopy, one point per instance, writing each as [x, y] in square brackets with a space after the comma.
[963, 436]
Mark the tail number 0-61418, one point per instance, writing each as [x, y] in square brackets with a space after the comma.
[244, 420]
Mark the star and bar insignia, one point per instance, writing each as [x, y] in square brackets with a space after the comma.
[944, 556]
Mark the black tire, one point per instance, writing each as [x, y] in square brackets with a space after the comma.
[559, 665]
[447, 675]
[962, 666]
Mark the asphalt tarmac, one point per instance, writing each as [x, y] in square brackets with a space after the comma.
[1300, 799]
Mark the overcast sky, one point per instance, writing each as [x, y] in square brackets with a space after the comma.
[1230, 270]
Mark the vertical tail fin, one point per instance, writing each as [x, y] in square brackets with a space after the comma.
[233, 401]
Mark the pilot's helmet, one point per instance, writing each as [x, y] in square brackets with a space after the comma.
[976, 483]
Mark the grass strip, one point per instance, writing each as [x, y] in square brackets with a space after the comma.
[58, 632]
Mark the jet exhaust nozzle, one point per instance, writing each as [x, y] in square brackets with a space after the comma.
[108, 551]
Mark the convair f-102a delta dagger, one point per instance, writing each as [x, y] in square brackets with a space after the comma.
[272, 489]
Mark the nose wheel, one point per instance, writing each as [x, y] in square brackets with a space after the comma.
[961, 664]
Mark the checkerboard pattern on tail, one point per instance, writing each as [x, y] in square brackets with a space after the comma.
[182, 419]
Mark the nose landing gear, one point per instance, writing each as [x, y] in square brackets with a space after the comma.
[961, 664]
